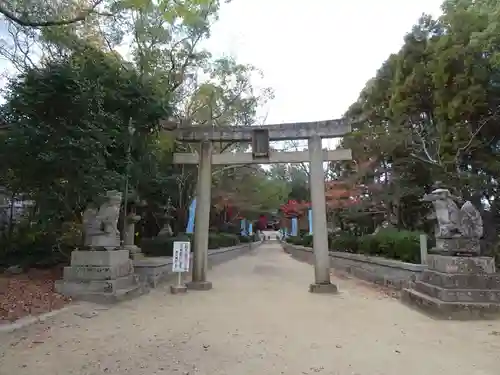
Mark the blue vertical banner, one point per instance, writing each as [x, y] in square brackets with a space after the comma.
[310, 219]
[192, 211]
[250, 229]
[295, 226]
[243, 227]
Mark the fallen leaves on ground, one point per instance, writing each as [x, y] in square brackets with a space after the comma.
[30, 293]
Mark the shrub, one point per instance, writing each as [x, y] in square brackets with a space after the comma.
[303, 232]
[389, 243]
[33, 247]
[217, 240]
[307, 240]
[344, 242]
[400, 245]
[294, 240]
[251, 238]
[245, 239]
[369, 245]
[163, 245]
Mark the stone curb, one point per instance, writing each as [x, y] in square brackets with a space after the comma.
[29, 320]
[366, 259]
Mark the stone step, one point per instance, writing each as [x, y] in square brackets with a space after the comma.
[461, 281]
[450, 310]
[74, 287]
[458, 295]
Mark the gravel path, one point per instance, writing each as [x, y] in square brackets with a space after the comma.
[259, 319]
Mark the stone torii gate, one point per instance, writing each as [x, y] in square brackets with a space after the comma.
[259, 137]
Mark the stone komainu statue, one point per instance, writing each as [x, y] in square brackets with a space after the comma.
[101, 226]
[453, 222]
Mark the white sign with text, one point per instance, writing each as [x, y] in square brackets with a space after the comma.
[181, 256]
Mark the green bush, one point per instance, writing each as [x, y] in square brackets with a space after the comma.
[217, 240]
[344, 242]
[400, 245]
[389, 243]
[303, 232]
[295, 240]
[369, 245]
[307, 240]
[251, 238]
[32, 247]
[163, 245]
[245, 239]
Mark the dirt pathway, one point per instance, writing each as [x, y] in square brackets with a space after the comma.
[259, 319]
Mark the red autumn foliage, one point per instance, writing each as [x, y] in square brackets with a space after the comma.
[338, 194]
[294, 209]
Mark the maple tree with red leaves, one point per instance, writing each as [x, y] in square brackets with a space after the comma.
[338, 194]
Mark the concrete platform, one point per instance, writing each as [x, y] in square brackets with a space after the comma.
[450, 310]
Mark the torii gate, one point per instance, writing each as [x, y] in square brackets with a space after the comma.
[260, 136]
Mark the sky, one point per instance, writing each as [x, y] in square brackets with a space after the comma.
[317, 55]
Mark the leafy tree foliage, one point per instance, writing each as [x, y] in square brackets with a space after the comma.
[69, 130]
[430, 114]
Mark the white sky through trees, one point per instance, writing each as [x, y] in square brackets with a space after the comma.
[317, 55]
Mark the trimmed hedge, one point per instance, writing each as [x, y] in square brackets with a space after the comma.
[390, 243]
[248, 239]
[163, 245]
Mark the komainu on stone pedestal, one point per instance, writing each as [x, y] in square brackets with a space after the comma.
[105, 273]
[458, 230]
[458, 284]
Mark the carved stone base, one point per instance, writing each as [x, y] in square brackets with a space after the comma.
[457, 288]
[457, 246]
[106, 241]
[99, 276]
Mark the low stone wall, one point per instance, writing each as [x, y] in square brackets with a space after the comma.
[154, 270]
[382, 271]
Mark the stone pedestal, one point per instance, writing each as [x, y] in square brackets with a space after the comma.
[178, 289]
[99, 276]
[199, 285]
[327, 288]
[456, 287]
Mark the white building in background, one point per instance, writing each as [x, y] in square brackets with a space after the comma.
[17, 207]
